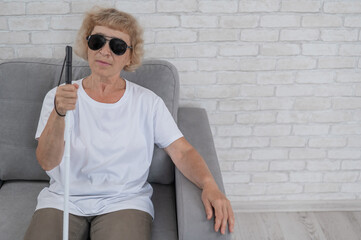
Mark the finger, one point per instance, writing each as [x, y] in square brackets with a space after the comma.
[61, 102]
[208, 208]
[61, 97]
[224, 220]
[69, 87]
[66, 109]
[66, 87]
[70, 102]
[66, 95]
[231, 219]
[64, 90]
[65, 105]
[219, 217]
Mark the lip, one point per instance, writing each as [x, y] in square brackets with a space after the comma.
[103, 63]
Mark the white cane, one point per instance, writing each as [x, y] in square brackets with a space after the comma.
[68, 77]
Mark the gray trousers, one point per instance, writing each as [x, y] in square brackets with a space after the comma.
[126, 224]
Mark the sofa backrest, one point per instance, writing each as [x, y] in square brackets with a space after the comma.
[23, 86]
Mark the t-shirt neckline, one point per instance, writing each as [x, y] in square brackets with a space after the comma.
[105, 105]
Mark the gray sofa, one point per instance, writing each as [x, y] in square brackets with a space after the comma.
[179, 212]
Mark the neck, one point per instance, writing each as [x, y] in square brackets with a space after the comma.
[104, 85]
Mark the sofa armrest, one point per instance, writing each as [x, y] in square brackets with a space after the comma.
[191, 215]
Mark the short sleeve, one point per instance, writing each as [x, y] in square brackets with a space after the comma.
[47, 108]
[166, 130]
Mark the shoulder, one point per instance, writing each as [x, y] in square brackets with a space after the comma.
[143, 93]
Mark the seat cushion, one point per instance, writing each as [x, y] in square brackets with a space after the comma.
[18, 201]
[23, 86]
[17, 204]
[165, 219]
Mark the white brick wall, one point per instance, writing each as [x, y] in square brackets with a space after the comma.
[280, 80]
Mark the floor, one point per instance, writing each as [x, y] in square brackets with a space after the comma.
[298, 226]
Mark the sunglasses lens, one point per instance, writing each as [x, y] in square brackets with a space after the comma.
[96, 42]
[118, 46]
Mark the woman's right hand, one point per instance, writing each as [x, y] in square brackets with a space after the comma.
[65, 97]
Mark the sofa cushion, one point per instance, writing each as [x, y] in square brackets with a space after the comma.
[18, 202]
[23, 86]
[17, 205]
[165, 216]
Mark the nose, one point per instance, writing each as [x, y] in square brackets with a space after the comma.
[105, 50]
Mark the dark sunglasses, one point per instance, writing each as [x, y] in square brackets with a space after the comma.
[97, 41]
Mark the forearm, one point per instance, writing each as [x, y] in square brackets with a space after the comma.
[193, 167]
[50, 148]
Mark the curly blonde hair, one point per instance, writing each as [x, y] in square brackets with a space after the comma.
[117, 20]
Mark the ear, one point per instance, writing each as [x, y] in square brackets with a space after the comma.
[128, 63]
[129, 60]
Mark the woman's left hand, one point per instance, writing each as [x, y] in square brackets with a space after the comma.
[212, 197]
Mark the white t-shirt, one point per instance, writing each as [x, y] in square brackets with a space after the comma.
[111, 150]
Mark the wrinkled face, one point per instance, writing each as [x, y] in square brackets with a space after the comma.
[104, 62]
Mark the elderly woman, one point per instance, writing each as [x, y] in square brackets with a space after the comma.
[114, 126]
